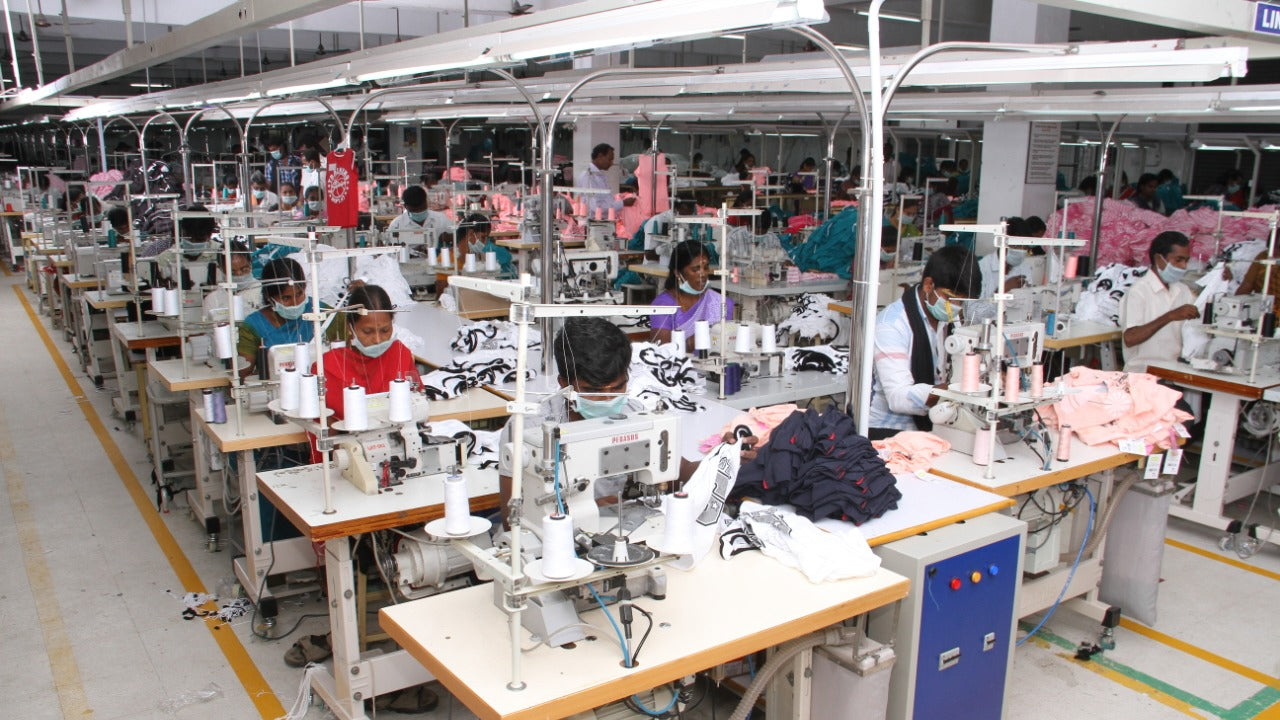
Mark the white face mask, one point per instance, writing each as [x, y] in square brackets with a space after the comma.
[1015, 256]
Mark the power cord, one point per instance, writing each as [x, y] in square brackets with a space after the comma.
[1093, 507]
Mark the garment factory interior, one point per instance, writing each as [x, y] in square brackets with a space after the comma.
[515, 359]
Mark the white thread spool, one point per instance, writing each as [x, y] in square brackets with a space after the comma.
[982, 446]
[701, 335]
[302, 357]
[355, 408]
[399, 408]
[222, 345]
[491, 261]
[237, 308]
[157, 301]
[431, 256]
[172, 302]
[742, 344]
[444, 257]
[206, 397]
[557, 546]
[290, 389]
[677, 535]
[404, 253]
[678, 341]
[457, 506]
[768, 338]
[308, 396]
[469, 263]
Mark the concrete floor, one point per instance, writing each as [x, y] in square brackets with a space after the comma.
[91, 601]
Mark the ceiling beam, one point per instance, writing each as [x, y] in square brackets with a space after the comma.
[229, 23]
[1221, 17]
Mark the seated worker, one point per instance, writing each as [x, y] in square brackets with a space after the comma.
[312, 168]
[653, 226]
[417, 218]
[687, 287]
[196, 233]
[802, 181]
[373, 357]
[119, 232]
[279, 322]
[1015, 275]
[593, 357]
[1157, 304]
[313, 203]
[888, 248]
[288, 199]
[230, 188]
[1146, 196]
[260, 198]
[902, 216]
[241, 275]
[473, 237]
[1257, 275]
[908, 358]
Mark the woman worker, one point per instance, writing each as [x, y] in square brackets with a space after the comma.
[688, 289]
[280, 322]
[373, 357]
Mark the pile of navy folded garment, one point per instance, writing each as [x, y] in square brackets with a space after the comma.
[820, 465]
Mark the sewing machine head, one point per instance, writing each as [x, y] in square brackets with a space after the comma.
[1240, 312]
[387, 456]
[588, 275]
[1023, 342]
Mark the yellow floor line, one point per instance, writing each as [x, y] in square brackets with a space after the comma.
[1222, 559]
[1205, 655]
[1121, 679]
[62, 658]
[256, 686]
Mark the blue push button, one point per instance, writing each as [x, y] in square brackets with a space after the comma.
[993, 569]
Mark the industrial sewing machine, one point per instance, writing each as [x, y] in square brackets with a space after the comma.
[602, 235]
[389, 453]
[587, 276]
[1237, 346]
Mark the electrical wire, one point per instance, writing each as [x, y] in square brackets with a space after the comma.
[640, 645]
[1093, 506]
[675, 694]
[556, 481]
[626, 657]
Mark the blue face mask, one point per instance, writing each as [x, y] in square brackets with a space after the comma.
[226, 192]
[888, 255]
[940, 309]
[419, 217]
[1170, 273]
[372, 351]
[276, 154]
[687, 289]
[290, 312]
[315, 206]
[288, 200]
[259, 194]
[1015, 256]
[588, 408]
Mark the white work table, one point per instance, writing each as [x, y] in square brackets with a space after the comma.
[717, 612]
[1215, 485]
[791, 387]
[1084, 334]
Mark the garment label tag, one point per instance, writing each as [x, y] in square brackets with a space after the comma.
[1181, 431]
[1172, 461]
[1134, 447]
[1153, 467]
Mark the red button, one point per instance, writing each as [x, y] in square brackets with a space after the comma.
[955, 583]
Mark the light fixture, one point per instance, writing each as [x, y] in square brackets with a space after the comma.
[733, 36]
[232, 99]
[1257, 108]
[146, 86]
[890, 16]
[307, 87]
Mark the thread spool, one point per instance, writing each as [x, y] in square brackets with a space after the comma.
[1071, 266]
[404, 253]
[1050, 322]
[290, 389]
[620, 553]
[613, 214]
[237, 308]
[262, 361]
[743, 342]
[457, 506]
[469, 264]
[308, 396]
[1063, 453]
[678, 341]
[768, 338]
[557, 546]
[982, 445]
[431, 256]
[355, 408]
[302, 357]
[399, 408]
[1012, 383]
[444, 257]
[206, 398]
[222, 344]
[157, 301]
[970, 370]
[1037, 380]
[702, 336]
[172, 302]
[677, 535]
[219, 408]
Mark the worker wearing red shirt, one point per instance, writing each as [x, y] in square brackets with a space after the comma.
[372, 357]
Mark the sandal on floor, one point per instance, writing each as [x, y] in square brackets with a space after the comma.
[414, 700]
[310, 649]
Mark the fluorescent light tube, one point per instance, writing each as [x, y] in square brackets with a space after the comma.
[307, 87]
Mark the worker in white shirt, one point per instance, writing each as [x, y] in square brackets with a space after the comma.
[594, 178]
[910, 334]
[1015, 272]
[1157, 304]
[417, 218]
[260, 198]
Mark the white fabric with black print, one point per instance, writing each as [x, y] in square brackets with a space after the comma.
[483, 367]
[491, 335]
[812, 318]
[662, 380]
[823, 358]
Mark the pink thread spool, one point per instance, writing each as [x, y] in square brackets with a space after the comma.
[969, 371]
[1064, 444]
[1072, 266]
[1012, 384]
[982, 446]
[1037, 380]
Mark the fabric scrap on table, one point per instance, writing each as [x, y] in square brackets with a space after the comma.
[761, 421]
[796, 542]
[911, 451]
[823, 358]
[662, 380]
[491, 335]
[812, 318]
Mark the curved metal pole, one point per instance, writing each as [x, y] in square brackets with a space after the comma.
[1098, 193]
[865, 274]
[924, 53]
[142, 144]
[548, 154]
[830, 159]
[186, 132]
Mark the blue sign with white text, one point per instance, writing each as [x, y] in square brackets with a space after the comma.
[1266, 18]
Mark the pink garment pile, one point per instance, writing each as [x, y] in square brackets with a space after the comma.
[910, 451]
[110, 176]
[1112, 406]
[817, 276]
[1127, 231]
[762, 421]
[796, 223]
